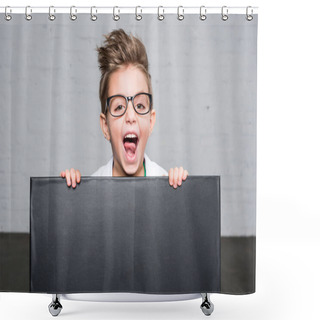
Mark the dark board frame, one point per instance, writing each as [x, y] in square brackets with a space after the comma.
[135, 235]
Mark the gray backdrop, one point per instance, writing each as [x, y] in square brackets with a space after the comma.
[204, 84]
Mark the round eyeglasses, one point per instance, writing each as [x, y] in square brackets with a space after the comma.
[118, 104]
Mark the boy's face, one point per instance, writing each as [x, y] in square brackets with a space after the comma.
[128, 154]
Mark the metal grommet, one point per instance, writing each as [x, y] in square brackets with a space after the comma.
[73, 16]
[138, 16]
[224, 13]
[93, 16]
[116, 17]
[52, 16]
[6, 15]
[160, 16]
[28, 16]
[249, 17]
[203, 12]
[180, 15]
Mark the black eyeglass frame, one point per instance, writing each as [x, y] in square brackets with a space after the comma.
[127, 102]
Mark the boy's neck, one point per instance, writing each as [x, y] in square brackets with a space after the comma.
[117, 171]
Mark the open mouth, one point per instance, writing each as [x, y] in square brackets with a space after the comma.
[130, 143]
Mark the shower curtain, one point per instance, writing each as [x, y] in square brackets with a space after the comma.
[203, 70]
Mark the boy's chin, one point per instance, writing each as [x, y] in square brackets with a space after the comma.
[131, 165]
[131, 169]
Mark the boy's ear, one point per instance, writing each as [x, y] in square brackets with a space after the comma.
[104, 126]
[152, 120]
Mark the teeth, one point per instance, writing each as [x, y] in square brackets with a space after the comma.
[130, 136]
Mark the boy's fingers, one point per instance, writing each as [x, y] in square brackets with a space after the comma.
[185, 175]
[180, 176]
[68, 178]
[73, 178]
[78, 176]
[175, 177]
[171, 177]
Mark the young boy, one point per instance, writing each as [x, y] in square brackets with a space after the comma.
[126, 120]
[127, 115]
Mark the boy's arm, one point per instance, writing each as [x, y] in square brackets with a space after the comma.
[176, 176]
[72, 176]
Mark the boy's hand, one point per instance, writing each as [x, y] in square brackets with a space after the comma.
[176, 176]
[72, 177]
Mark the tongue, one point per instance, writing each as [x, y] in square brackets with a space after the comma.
[130, 148]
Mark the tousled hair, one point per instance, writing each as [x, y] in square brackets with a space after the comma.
[120, 50]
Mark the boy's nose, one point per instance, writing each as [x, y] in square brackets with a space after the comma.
[130, 113]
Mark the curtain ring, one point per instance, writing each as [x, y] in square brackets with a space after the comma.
[160, 16]
[93, 16]
[138, 16]
[224, 13]
[180, 15]
[73, 16]
[116, 17]
[249, 17]
[52, 16]
[7, 16]
[203, 12]
[28, 16]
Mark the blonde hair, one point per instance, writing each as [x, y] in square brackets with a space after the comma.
[120, 50]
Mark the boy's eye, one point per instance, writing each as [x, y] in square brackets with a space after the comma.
[140, 107]
[119, 108]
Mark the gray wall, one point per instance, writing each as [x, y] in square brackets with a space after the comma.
[204, 83]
